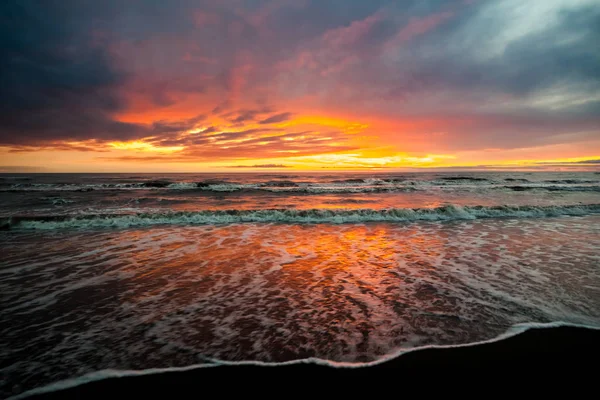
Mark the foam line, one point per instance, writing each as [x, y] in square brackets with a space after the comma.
[295, 216]
[113, 373]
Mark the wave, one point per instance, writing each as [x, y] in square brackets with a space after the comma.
[350, 185]
[57, 201]
[511, 332]
[270, 186]
[553, 188]
[293, 216]
[569, 181]
[299, 184]
[464, 178]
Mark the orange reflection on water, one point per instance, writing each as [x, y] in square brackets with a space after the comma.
[347, 292]
[308, 264]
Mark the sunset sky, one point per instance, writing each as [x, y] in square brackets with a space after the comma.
[232, 85]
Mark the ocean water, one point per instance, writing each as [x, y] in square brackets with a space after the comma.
[141, 271]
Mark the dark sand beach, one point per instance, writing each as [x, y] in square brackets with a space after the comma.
[567, 352]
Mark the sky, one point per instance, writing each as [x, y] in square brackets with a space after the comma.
[232, 85]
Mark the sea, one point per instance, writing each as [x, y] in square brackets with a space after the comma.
[104, 274]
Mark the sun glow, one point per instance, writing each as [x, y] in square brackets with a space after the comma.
[144, 147]
[342, 124]
[357, 160]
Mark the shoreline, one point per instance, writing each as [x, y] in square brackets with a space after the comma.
[553, 350]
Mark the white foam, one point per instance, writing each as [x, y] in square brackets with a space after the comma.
[115, 373]
[183, 186]
[241, 292]
[334, 216]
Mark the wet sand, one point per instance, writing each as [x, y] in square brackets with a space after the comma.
[565, 352]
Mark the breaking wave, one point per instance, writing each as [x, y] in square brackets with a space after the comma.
[331, 186]
[272, 186]
[553, 188]
[294, 216]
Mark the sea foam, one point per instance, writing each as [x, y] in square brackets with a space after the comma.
[295, 216]
[104, 374]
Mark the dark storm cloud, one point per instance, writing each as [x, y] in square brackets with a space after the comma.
[276, 118]
[445, 58]
[547, 53]
[56, 82]
[178, 126]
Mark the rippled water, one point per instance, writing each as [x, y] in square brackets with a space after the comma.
[79, 297]
[91, 194]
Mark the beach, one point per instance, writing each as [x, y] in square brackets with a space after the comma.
[161, 274]
[563, 352]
